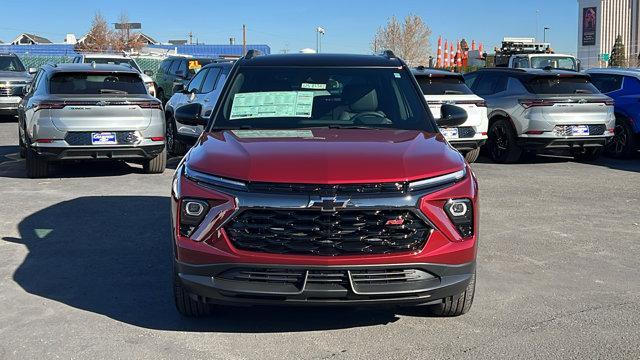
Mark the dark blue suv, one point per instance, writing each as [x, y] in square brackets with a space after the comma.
[623, 85]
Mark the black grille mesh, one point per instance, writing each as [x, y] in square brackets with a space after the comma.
[340, 189]
[84, 138]
[342, 232]
[466, 132]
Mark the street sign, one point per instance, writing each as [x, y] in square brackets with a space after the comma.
[605, 57]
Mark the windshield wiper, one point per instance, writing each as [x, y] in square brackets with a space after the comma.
[335, 126]
[223, 128]
[453, 92]
[113, 91]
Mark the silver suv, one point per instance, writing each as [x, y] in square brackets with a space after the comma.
[90, 111]
[13, 78]
[532, 110]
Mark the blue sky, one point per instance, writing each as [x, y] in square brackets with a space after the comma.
[349, 24]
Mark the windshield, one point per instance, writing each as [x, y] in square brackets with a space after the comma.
[293, 98]
[541, 62]
[96, 83]
[561, 85]
[10, 63]
[113, 61]
[445, 85]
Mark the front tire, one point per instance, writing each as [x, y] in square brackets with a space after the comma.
[502, 143]
[472, 156]
[185, 304]
[174, 146]
[23, 147]
[624, 144]
[157, 164]
[37, 167]
[455, 305]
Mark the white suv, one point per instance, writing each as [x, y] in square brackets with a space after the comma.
[116, 59]
[442, 87]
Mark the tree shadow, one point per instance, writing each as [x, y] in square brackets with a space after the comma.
[112, 256]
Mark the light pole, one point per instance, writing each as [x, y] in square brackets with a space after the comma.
[537, 23]
[319, 31]
[545, 33]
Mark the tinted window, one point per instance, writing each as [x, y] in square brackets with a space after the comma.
[165, 65]
[10, 63]
[561, 85]
[210, 80]
[296, 97]
[183, 67]
[174, 67]
[96, 83]
[470, 79]
[196, 82]
[485, 84]
[607, 83]
[449, 85]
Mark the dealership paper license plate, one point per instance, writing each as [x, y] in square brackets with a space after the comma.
[450, 133]
[103, 138]
[580, 130]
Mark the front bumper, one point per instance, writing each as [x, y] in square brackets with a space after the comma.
[405, 284]
[95, 153]
[9, 105]
[467, 145]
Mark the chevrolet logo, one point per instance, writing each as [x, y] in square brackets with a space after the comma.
[327, 203]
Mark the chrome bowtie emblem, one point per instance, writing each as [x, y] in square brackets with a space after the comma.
[327, 203]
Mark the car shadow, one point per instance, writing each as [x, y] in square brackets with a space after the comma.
[12, 166]
[111, 255]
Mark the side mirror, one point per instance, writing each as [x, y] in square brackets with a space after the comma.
[33, 71]
[451, 116]
[148, 72]
[178, 88]
[190, 115]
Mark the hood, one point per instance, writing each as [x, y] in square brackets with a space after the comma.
[324, 156]
[14, 75]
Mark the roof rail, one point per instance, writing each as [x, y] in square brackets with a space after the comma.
[252, 53]
[388, 54]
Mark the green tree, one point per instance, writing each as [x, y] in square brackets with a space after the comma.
[618, 57]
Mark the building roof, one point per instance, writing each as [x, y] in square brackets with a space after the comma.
[146, 38]
[323, 60]
[32, 37]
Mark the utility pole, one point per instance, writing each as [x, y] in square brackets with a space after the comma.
[244, 39]
[319, 32]
[545, 33]
[537, 23]
[190, 38]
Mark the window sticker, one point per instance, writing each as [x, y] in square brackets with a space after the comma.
[194, 65]
[314, 86]
[254, 134]
[272, 104]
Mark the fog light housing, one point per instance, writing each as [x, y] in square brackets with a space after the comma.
[460, 212]
[192, 212]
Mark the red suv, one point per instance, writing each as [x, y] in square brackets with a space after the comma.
[323, 180]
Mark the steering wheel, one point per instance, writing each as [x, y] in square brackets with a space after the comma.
[356, 118]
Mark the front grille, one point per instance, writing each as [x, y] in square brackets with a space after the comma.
[339, 189]
[81, 138]
[11, 91]
[566, 130]
[388, 276]
[342, 232]
[341, 277]
[466, 132]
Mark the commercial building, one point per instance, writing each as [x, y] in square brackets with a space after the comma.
[600, 22]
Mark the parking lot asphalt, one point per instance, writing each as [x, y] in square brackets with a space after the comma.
[85, 273]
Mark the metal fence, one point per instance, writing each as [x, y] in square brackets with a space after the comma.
[632, 61]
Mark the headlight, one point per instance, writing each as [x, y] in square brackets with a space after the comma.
[438, 180]
[192, 212]
[211, 180]
[151, 88]
[460, 212]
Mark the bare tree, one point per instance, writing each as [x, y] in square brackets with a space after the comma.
[408, 40]
[99, 36]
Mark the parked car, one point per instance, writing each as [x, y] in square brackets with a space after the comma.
[13, 78]
[532, 110]
[90, 111]
[623, 85]
[204, 89]
[443, 87]
[102, 58]
[176, 70]
[323, 180]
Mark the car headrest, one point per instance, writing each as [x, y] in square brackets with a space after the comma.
[360, 98]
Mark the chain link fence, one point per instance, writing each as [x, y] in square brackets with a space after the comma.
[36, 61]
[632, 61]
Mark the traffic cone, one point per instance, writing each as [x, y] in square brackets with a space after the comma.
[452, 55]
[473, 45]
[446, 54]
[459, 57]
